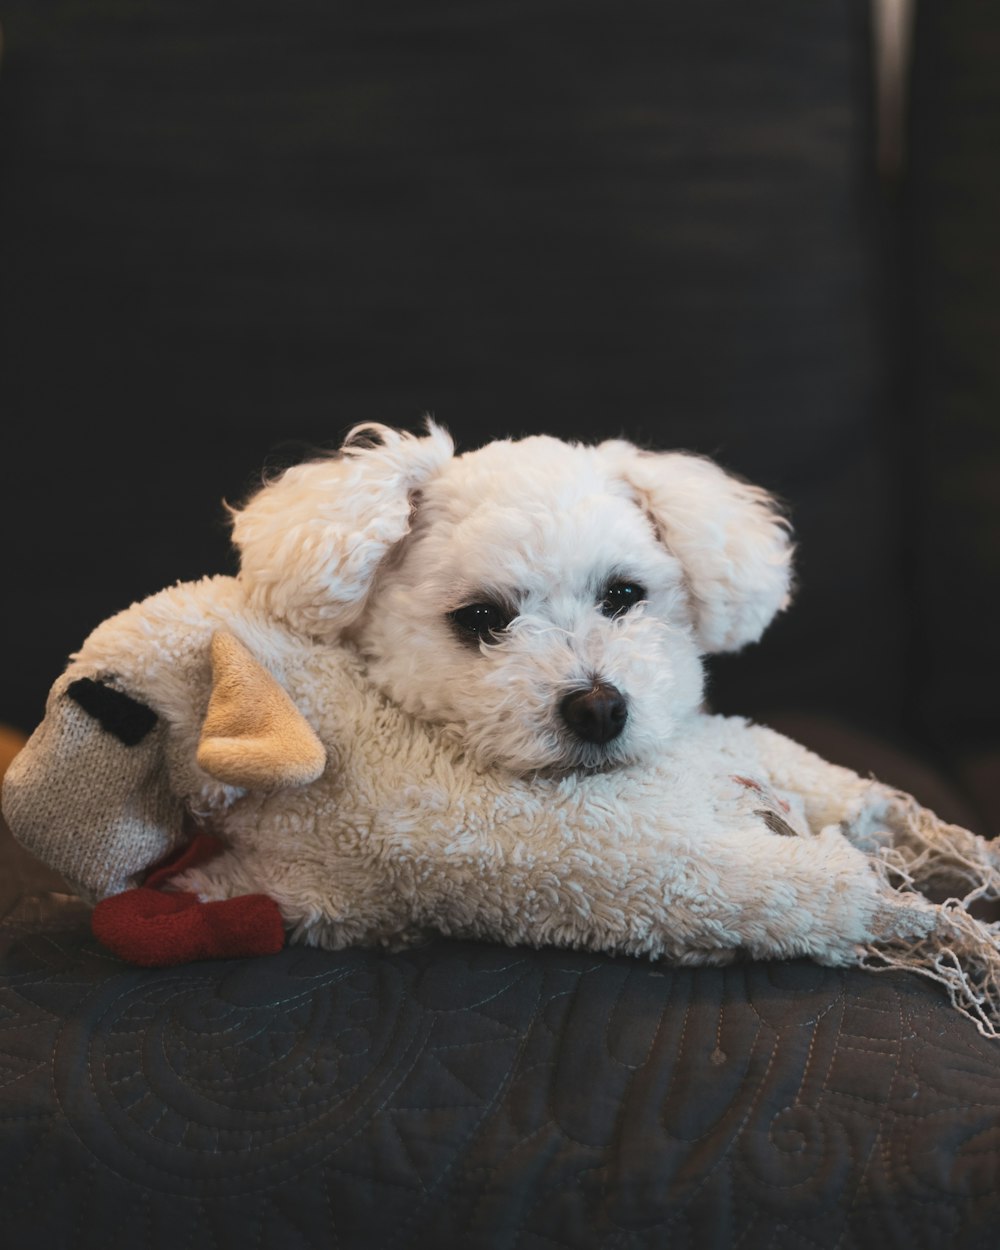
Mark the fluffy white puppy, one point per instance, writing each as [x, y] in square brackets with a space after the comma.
[546, 604]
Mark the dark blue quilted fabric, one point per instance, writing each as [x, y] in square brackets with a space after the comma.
[463, 1095]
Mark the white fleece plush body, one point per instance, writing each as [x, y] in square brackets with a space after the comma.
[403, 834]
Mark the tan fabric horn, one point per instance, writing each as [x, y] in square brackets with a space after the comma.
[254, 736]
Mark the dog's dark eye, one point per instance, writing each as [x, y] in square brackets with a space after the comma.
[480, 621]
[619, 597]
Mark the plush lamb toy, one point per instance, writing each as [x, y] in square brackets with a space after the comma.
[463, 695]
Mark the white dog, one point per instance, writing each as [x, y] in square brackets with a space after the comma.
[464, 694]
[546, 604]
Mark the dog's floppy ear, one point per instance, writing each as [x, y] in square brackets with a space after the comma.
[730, 537]
[311, 540]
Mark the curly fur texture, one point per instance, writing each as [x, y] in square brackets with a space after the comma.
[379, 545]
[501, 655]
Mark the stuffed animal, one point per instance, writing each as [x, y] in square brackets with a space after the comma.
[463, 695]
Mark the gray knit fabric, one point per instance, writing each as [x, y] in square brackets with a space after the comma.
[77, 795]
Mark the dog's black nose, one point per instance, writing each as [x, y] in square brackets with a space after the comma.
[595, 715]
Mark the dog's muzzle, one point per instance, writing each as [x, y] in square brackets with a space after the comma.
[597, 714]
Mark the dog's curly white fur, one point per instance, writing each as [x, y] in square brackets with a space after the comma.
[384, 544]
[501, 655]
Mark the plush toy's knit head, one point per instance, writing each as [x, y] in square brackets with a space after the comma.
[548, 603]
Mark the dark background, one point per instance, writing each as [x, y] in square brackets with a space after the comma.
[232, 231]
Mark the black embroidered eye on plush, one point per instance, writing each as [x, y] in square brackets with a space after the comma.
[116, 712]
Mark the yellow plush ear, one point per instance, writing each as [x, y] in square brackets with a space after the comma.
[254, 736]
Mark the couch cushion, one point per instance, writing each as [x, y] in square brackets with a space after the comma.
[237, 234]
[950, 320]
[470, 1095]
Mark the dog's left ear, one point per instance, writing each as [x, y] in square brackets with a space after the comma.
[311, 541]
[730, 537]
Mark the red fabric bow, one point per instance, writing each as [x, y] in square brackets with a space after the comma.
[158, 928]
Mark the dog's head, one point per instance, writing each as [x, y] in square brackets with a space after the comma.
[547, 603]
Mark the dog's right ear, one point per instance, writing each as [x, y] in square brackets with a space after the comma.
[731, 538]
[311, 540]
